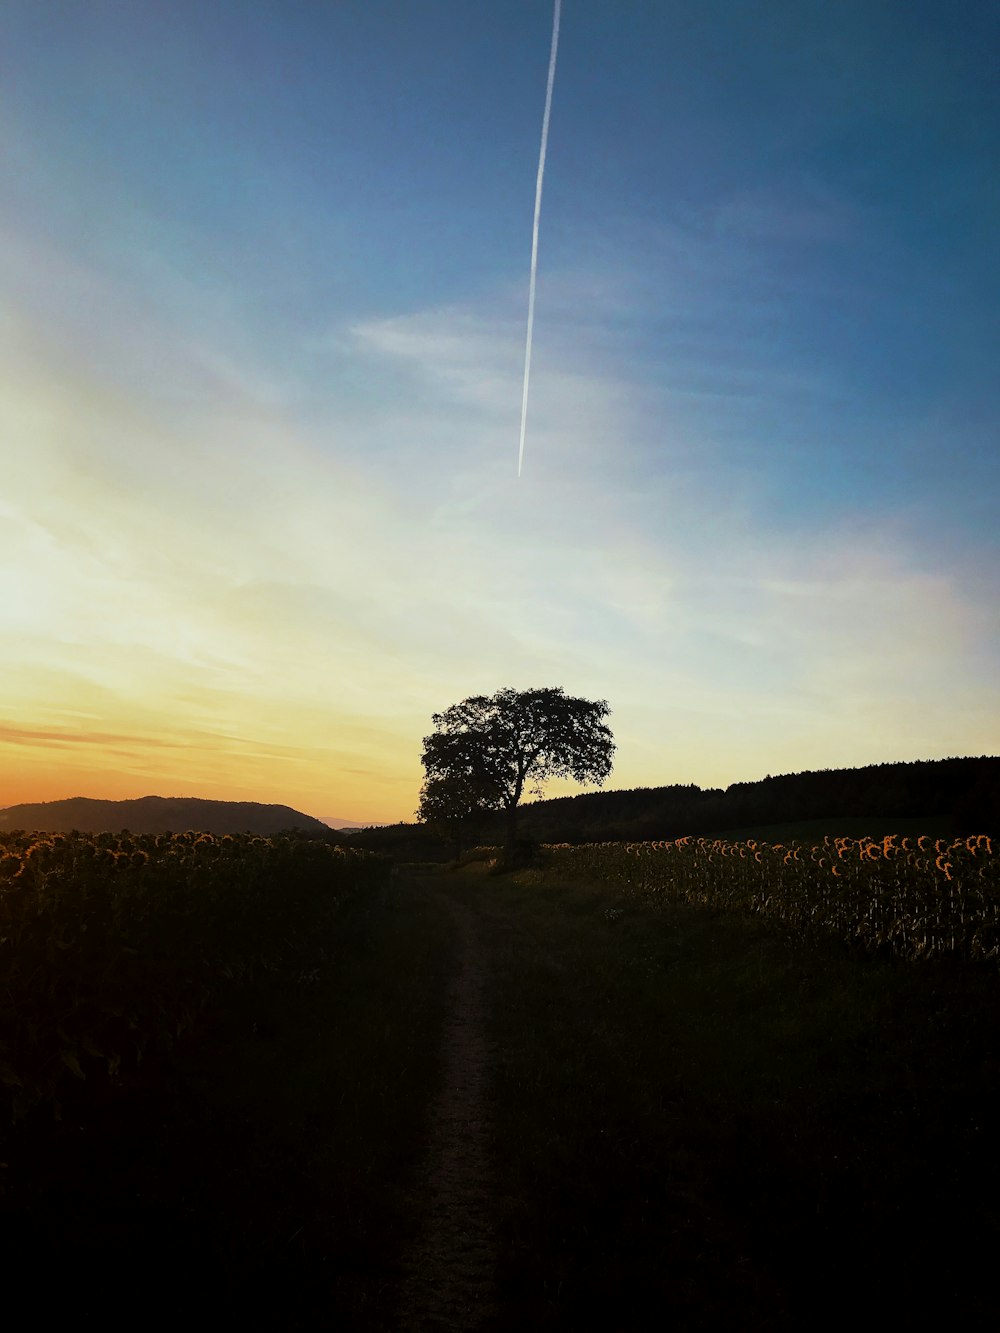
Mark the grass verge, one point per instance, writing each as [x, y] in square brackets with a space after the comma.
[704, 1124]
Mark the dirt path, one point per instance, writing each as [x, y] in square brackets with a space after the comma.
[450, 1272]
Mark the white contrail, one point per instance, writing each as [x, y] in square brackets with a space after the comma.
[534, 230]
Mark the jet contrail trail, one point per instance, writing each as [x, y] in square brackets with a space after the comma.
[534, 230]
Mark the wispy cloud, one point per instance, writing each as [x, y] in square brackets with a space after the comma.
[222, 576]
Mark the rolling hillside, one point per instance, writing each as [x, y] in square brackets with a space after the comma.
[157, 814]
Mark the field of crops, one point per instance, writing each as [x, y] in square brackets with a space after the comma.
[913, 897]
[114, 943]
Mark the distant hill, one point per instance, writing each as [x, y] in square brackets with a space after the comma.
[342, 824]
[156, 814]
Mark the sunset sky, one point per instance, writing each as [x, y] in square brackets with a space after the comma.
[263, 288]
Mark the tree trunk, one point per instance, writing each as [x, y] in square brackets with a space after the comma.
[511, 832]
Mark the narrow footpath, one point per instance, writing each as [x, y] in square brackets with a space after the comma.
[450, 1272]
[509, 1102]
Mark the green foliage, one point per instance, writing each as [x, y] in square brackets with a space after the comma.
[112, 942]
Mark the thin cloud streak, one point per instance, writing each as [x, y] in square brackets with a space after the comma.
[539, 182]
[285, 597]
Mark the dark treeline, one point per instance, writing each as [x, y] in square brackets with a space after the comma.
[965, 792]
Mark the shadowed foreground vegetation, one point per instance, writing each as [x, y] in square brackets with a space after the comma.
[705, 1117]
[698, 1121]
[260, 1168]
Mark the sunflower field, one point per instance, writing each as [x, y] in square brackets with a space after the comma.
[114, 943]
[910, 897]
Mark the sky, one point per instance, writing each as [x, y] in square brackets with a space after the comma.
[263, 291]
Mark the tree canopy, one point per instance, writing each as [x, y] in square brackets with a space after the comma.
[485, 752]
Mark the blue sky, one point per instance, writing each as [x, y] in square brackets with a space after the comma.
[263, 284]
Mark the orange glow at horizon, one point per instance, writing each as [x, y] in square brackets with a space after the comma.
[203, 592]
[45, 767]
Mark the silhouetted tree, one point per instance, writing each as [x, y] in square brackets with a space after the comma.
[485, 752]
[450, 804]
